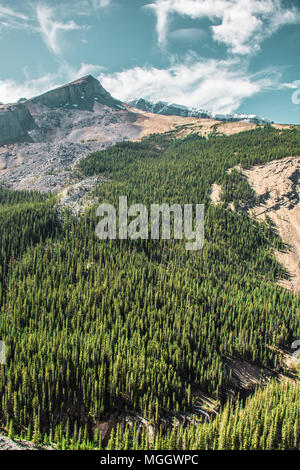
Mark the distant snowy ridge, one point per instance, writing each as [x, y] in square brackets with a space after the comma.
[171, 109]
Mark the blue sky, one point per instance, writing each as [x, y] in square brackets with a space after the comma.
[222, 55]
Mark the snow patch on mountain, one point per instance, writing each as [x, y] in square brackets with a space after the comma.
[172, 109]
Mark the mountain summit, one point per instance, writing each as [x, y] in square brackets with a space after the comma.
[82, 94]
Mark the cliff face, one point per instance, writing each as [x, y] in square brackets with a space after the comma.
[15, 122]
[81, 94]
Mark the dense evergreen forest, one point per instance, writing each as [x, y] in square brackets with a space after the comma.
[96, 329]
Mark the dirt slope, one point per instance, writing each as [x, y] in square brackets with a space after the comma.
[156, 123]
[278, 185]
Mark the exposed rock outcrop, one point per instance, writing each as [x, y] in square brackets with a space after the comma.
[81, 94]
[15, 122]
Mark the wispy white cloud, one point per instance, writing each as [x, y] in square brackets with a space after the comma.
[219, 86]
[51, 29]
[9, 13]
[11, 19]
[12, 90]
[244, 23]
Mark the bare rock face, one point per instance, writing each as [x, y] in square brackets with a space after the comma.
[15, 122]
[81, 94]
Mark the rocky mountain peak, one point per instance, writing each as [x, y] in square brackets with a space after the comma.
[81, 94]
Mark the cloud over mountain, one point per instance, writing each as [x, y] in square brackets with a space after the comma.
[219, 86]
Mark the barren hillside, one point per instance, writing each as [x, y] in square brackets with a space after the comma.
[151, 123]
[278, 186]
